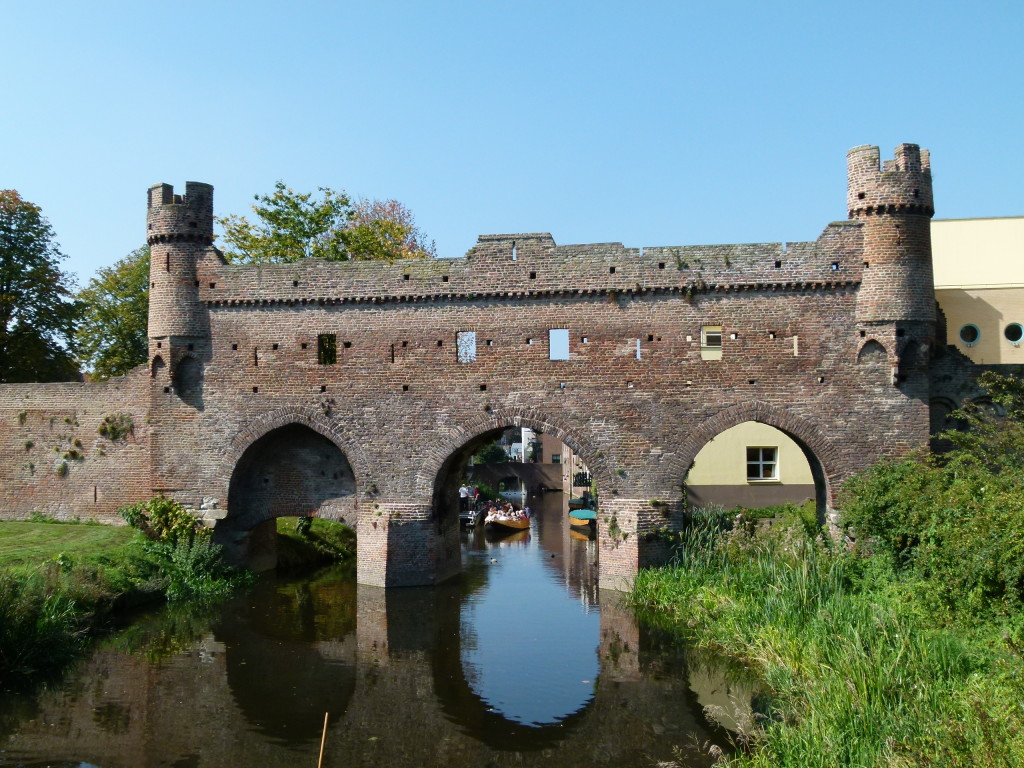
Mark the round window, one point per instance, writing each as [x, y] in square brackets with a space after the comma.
[1014, 333]
[970, 334]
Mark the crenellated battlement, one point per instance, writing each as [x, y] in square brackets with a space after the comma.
[180, 218]
[900, 185]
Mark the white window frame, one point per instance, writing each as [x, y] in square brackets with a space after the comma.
[767, 456]
[709, 350]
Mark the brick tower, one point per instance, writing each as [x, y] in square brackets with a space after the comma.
[894, 202]
[896, 301]
[180, 230]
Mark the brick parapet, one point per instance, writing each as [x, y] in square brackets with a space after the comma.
[597, 269]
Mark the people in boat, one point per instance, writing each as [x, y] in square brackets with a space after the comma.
[463, 497]
[504, 512]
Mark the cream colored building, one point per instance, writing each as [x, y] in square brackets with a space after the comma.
[979, 285]
[979, 277]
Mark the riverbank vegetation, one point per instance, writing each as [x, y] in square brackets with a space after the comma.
[900, 647]
[60, 583]
[304, 542]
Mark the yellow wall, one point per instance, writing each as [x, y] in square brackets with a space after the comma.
[978, 253]
[979, 279]
[991, 310]
[723, 461]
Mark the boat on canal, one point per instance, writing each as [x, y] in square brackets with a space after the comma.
[509, 523]
[583, 518]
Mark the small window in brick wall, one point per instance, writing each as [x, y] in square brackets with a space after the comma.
[465, 345]
[327, 349]
[558, 344]
[711, 342]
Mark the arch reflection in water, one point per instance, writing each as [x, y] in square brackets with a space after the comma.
[527, 646]
[289, 649]
[398, 670]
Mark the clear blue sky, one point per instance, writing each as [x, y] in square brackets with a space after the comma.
[647, 123]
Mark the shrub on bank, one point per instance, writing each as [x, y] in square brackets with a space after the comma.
[954, 522]
[183, 549]
[48, 610]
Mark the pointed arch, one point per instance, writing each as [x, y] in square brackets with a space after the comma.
[872, 351]
[313, 418]
[821, 454]
[439, 453]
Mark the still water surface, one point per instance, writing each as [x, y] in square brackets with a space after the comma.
[522, 661]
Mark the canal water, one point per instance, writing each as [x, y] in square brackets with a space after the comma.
[521, 662]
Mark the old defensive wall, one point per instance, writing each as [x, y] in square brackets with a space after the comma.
[358, 390]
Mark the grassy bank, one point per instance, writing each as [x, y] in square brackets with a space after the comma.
[60, 583]
[308, 542]
[854, 673]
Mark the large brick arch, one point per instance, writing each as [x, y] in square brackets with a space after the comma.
[439, 452]
[818, 449]
[313, 418]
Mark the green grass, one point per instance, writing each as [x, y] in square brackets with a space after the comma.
[324, 542]
[853, 669]
[29, 543]
[60, 581]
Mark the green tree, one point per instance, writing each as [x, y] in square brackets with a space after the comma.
[492, 453]
[292, 225]
[112, 337]
[37, 310]
[386, 229]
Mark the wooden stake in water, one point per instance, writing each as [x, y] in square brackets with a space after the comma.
[323, 740]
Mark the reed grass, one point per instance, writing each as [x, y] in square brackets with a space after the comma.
[855, 672]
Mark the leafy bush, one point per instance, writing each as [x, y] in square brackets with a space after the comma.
[952, 521]
[163, 519]
[191, 562]
[196, 570]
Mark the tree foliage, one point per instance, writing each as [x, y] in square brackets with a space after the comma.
[492, 453]
[290, 226]
[112, 335]
[37, 310]
[294, 225]
[386, 229]
[953, 521]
